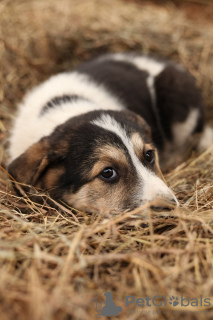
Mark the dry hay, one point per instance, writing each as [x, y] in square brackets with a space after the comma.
[53, 262]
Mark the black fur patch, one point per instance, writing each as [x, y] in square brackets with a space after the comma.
[128, 83]
[175, 90]
[176, 96]
[59, 100]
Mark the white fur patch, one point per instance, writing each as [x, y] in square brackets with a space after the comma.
[151, 87]
[206, 139]
[153, 67]
[150, 186]
[182, 130]
[30, 127]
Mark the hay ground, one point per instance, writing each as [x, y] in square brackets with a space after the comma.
[54, 262]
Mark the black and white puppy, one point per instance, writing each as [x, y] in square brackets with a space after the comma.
[90, 137]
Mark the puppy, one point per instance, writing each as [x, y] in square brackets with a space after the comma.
[91, 137]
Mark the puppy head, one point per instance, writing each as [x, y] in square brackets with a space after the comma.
[102, 160]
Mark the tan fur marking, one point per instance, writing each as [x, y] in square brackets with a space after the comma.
[157, 165]
[52, 177]
[158, 170]
[103, 196]
[143, 124]
[140, 147]
[29, 166]
[138, 144]
[108, 156]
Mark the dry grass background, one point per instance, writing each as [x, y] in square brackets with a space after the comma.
[54, 262]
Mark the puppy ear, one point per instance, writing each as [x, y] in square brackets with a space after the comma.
[29, 166]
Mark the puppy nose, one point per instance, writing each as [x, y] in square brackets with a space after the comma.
[166, 205]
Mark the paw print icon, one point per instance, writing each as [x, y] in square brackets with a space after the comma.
[173, 301]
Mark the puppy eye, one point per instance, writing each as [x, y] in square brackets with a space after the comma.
[108, 174]
[150, 156]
